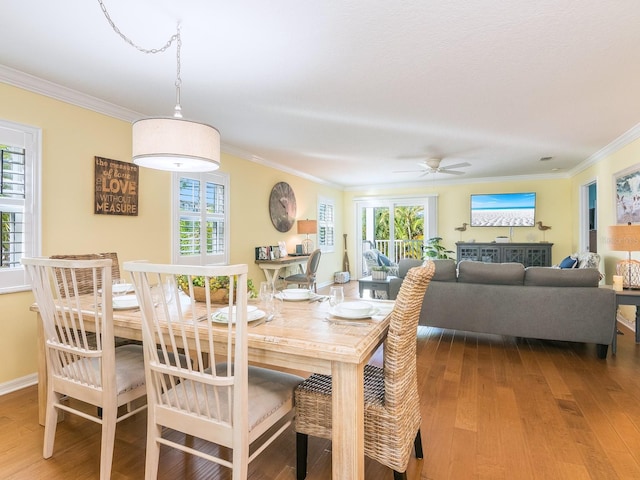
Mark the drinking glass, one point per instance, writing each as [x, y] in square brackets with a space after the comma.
[273, 306]
[336, 296]
[266, 290]
[118, 287]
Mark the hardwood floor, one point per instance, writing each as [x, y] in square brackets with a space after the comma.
[493, 408]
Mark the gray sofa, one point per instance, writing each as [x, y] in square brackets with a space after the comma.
[507, 299]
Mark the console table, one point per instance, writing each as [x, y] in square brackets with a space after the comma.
[529, 254]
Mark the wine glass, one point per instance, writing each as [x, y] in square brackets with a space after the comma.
[336, 296]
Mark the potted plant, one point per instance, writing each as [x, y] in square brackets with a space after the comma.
[379, 272]
[434, 249]
[219, 287]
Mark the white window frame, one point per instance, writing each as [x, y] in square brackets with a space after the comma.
[203, 258]
[325, 247]
[12, 134]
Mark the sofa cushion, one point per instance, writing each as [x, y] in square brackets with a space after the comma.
[490, 273]
[558, 277]
[569, 262]
[445, 271]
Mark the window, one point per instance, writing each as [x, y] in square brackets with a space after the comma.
[201, 218]
[326, 224]
[19, 204]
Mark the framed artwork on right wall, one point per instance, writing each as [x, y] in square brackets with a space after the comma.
[627, 191]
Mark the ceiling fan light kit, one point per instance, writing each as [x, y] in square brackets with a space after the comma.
[171, 143]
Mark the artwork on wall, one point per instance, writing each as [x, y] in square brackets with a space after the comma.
[627, 190]
[116, 187]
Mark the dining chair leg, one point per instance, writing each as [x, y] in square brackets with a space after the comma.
[152, 459]
[399, 476]
[107, 442]
[302, 445]
[417, 445]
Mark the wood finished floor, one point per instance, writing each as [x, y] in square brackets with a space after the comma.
[492, 408]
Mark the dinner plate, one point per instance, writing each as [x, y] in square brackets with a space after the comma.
[294, 294]
[294, 297]
[336, 312]
[253, 314]
[125, 302]
[354, 308]
[120, 288]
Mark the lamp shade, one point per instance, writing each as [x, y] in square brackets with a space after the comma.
[175, 144]
[307, 226]
[624, 238]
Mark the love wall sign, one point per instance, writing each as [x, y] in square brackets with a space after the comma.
[116, 187]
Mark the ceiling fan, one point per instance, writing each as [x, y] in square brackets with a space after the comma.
[432, 165]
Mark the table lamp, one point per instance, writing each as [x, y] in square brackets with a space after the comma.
[626, 238]
[307, 227]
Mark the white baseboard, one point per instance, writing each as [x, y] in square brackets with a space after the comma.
[18, 384]
[631, 325]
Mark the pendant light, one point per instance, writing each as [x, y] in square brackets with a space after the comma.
[172, 143]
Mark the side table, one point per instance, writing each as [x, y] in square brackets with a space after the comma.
[630, 297]
[390, 285]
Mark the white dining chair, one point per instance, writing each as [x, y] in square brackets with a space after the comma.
[215, 395]
[80, 365]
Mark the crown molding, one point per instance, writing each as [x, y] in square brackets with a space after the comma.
[623, 140]
[34, 84]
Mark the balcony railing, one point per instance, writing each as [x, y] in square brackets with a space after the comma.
[400, 249]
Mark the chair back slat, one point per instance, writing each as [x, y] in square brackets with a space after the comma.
[177, 326]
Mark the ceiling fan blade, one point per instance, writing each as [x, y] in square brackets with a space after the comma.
[408, 171]
[450, 172]
[458, 165]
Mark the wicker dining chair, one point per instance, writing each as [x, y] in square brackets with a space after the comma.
[229, 403]
[392, 404]
[81, 365]
[307, 278]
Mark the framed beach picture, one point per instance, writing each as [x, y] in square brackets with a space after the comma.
[627, 191]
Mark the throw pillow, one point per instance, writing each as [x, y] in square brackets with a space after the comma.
[384, 260]
[569, 262]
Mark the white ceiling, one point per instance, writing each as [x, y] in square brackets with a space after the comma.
[349, 91]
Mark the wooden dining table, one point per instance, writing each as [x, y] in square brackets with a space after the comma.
[304, 336]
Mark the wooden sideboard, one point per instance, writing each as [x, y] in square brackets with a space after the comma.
[529, 254]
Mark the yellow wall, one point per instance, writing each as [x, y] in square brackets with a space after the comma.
[553, 202]
[603, 172]
[71, 138]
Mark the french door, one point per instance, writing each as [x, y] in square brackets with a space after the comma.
[397, 227]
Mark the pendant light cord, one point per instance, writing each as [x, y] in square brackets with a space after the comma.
[174, 38]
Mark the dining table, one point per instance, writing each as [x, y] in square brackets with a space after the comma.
[304, 336]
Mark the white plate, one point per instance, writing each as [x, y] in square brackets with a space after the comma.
[354, 308]
[253, 314]
[125, 302]
[294, 294]
[225, 310]
[336, 312]
[120, 288]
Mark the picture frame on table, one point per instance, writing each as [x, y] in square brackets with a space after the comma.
[627, 191]
[274, 252]
[262, 253]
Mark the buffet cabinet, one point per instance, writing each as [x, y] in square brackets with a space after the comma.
[529, 254]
